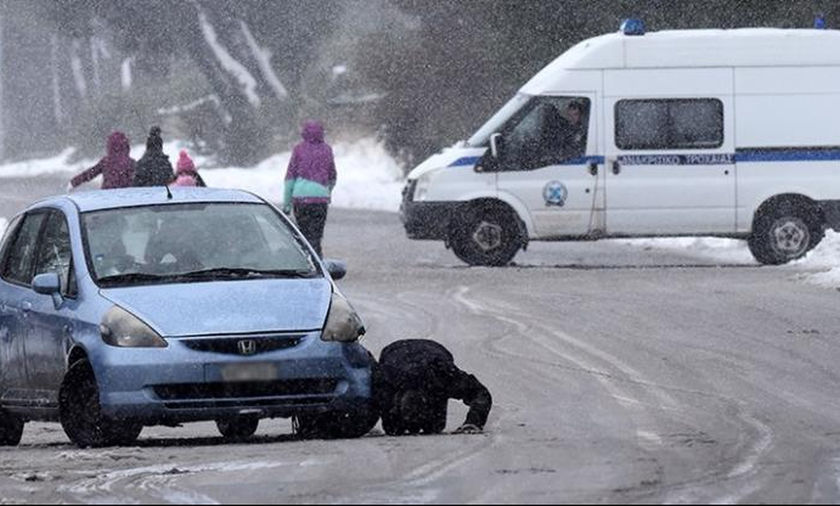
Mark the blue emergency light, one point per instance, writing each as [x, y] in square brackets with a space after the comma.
[632, 26]
[819, 22]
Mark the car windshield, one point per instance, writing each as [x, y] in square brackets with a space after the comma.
[480, 138]
[192, 242]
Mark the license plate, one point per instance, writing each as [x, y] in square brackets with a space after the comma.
[249, 372]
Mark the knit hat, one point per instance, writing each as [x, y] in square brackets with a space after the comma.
[185, 164]
[154, 141]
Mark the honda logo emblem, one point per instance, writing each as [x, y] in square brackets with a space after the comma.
[247, 346]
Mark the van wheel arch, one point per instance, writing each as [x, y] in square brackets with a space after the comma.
[785, 227]
[502, 223]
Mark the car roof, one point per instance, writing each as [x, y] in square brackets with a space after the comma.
[96, 200]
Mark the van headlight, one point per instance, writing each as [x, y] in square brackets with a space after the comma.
[343, 323]
[123, 329]
[421, 189]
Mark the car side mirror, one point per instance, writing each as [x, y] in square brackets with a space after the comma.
[336, 268]
[48, 283]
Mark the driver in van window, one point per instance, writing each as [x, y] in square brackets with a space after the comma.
[574, 145]
[550, 141]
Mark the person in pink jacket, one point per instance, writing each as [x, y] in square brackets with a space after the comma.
[185, 172]
[116, 168]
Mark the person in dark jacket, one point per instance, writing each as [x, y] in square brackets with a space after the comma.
[413, 382]
[154, 168]
[117, 168]
[310, 178]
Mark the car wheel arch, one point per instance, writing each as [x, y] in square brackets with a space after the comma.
[76, 353]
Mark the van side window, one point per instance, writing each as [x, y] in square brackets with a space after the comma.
[669, 124]
[550, 131]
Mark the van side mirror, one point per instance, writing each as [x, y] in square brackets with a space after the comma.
[496, 144]
[336, 268]
[48, 283]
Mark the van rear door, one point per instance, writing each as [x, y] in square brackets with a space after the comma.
[670, 165]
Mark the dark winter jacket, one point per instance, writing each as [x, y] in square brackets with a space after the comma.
[427, 366]
[310, 176]
[117, 168]
[154, 168]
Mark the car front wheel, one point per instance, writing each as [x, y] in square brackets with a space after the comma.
[11, 428]
[81, 414]
[335, 425]
[238, 427]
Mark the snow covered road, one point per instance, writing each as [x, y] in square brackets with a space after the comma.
[620, 372]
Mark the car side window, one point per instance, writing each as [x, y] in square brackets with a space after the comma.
[54, 252]
[6, 241]
[18, 265]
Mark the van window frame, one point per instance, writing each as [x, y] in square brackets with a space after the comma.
[537, 101]
[669, 145]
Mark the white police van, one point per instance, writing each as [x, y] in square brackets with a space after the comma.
[732, 133]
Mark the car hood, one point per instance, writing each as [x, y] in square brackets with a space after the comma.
[227, 307]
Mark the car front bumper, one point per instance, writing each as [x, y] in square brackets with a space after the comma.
[180, 384]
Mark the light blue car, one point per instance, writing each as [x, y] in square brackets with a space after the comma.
[133, 307]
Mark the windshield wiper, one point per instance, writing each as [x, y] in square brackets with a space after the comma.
[129, 277]
[239, 272]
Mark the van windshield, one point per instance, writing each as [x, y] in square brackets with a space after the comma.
[494, 124]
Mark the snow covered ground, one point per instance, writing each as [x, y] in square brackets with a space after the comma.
[369, 178]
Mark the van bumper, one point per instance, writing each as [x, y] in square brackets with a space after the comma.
[427, 220]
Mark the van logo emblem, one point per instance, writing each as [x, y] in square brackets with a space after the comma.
[555, 193]
[247, 346]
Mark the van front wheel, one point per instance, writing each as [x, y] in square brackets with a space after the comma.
[486, 236]
[785, 232]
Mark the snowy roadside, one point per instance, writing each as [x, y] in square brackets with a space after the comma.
[368, 178]
[826, 256]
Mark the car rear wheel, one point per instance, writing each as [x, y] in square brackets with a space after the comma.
[11, 428]
[486, 235]
[334, 425]
[81, 414]
[785, 231]
[238, 427]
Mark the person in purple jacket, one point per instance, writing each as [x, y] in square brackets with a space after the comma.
[310, 179]
[117, 168]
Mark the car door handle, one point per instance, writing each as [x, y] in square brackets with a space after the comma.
[616, 167]
[593, 168]
[26, 306]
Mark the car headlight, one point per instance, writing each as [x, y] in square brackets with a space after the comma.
[343, 323]
[123, 329]
[421, 188]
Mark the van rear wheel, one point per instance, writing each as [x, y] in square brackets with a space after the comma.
[486, 235]
[785, 231]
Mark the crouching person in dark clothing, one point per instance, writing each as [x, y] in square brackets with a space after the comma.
[413, 382]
